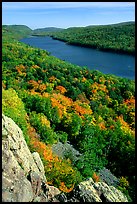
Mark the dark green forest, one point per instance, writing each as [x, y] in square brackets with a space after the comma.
[52, 100]
[115, 37]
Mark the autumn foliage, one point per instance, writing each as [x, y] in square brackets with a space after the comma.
[63, 102]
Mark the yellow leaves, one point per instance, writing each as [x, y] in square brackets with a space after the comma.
[46, 94]
[101, 123]
[45, 121]
[64, 103]
[98, 87]
[102, 80]
[123, 182]
[3, 85]
[124, 125]
[129, 142]
[11, 100]
[44, 71]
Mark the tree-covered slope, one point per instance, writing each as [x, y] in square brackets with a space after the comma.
[47, 29]
[58, 101]
[117, 37]
[16, 31]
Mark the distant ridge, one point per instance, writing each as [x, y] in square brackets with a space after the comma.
[115, 24]
[47, 29]
[17, 27]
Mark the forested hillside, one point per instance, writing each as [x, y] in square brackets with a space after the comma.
[48, 29]
[52, 100]
[16, 31]
[117, 37]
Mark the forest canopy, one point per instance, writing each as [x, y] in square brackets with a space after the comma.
[55, 101]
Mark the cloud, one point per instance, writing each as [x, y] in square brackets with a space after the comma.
[57, 5]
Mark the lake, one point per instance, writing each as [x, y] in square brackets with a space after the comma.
[122, 65]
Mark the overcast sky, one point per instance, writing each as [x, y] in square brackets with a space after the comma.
[66, 14]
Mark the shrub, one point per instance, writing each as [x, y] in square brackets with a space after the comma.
[13, 107]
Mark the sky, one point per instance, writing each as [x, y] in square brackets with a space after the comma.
[66, 14]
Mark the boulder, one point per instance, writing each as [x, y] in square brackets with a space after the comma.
[15, 186]
[89, 191]
[17, 144]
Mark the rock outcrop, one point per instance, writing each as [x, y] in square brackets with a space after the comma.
[89, 191]
[23, 175]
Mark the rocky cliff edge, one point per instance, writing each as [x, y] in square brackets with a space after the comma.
[23, 175]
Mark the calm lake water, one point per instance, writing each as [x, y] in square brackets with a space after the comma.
[108, 63]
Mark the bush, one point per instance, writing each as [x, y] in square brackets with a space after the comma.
[42, 125]
[13, 107]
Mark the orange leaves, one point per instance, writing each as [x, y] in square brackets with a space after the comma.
[95, 177]
[83, 79]
[111, 127]
[130, 102]
[94, 91]
[81, 108]
[61, 102]
[35, 67]
[45, 94]
[21, 70]
[42, 87]
[63, 188]
[52, 79]
[61, 89]
[48, 155]
[54, 167]
[56, 103]
[39, 86]
[34, 84]
[102, 126]
[20, 67]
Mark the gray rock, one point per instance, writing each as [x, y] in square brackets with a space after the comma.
[15, 186]
[23, 175]
[89, 191]
[107, 177]
[19, 148]
[39, 164]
